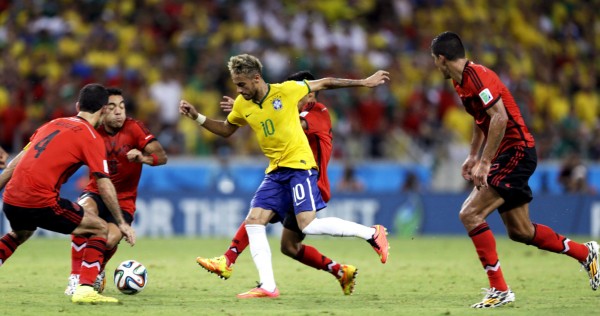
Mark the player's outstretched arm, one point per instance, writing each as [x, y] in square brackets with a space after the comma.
[221, 128]
[378, 78]
[109, 196]
[8, 172]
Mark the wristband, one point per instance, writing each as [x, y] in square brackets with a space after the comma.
[200, 119]
[154, 159]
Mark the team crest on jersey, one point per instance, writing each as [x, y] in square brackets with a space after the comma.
[277, 104]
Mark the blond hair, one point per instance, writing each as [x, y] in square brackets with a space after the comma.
[244, 64]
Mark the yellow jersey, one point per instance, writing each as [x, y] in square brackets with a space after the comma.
[276, 124]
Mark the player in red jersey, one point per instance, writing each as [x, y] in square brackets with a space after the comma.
[501, 160]
[33, 180]
[316, 123]
[129, 145]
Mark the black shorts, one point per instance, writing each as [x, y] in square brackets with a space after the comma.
[62, 218]
[509, 176]
[103, 211]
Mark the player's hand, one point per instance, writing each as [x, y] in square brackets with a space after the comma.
[226, 104]
[467, 168]
[376, 79]
[3, 158]
[481, 175]
[128, 233]
[187, 109]
[135, 155]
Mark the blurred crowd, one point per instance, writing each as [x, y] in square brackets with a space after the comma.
[159, 52]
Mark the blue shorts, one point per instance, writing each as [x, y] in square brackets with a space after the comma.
[285, 190]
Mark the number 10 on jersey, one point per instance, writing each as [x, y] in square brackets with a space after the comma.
[268, 127]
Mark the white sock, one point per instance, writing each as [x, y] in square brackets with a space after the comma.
[261, 254]
[338, 227]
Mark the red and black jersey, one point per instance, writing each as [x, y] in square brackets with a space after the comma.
[320, 138]
[124, 174]
[55, 151]
[479, 90]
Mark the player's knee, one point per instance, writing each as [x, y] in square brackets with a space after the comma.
[466, 214]
[114, 236]
[112, 241]
[256, 220]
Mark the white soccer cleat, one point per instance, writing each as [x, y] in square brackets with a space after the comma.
[100, 282]
[495, 298]
[73, 283]
[591, 264]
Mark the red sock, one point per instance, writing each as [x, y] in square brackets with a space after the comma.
[107, 255]
[93, 256]
[311, 257]
[485, 244]
[8, 245]
[547, 239]
[238, 244]
[77, 246]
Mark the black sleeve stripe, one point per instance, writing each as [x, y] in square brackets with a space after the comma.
[492, 104]
[474, 77]
[100, 175]
[519, 129]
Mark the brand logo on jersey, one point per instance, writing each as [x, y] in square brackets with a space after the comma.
[486, 96]
[277, 104]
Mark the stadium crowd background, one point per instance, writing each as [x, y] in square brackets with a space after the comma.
[159, 52]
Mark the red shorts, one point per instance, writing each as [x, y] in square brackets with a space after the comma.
[509, 176]
[63, 217]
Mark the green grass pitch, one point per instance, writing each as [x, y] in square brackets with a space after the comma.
[432, 275]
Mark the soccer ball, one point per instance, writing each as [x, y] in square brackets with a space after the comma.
[131, 277]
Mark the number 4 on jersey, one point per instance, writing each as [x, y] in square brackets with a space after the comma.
[41, 145]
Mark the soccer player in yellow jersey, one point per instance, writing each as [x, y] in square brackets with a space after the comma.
[290, 181]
